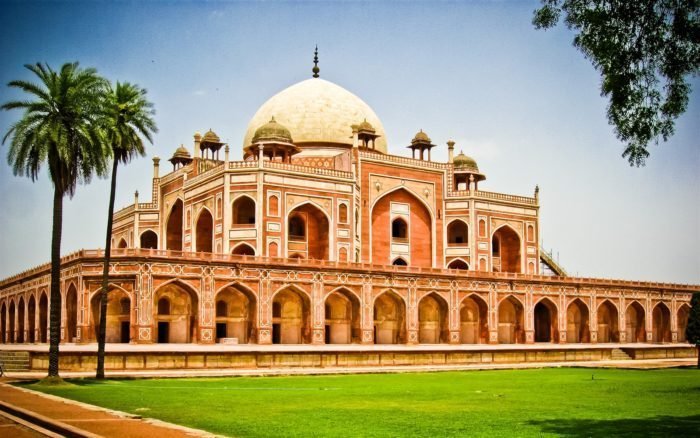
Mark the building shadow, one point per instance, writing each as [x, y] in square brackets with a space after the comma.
[666, 426]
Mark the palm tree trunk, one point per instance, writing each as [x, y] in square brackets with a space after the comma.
[102, 332]
[55, 316]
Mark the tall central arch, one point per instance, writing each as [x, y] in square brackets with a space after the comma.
[387, 214]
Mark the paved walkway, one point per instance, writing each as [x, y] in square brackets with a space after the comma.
[82, 419]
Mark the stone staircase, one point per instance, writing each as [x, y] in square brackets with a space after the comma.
[13, 361]
[618, 354]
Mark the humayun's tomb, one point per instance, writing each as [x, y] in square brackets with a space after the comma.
[319, 236]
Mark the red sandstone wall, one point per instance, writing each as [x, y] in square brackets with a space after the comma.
[419, 229]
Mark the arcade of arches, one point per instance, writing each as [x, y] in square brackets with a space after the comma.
[294, 318]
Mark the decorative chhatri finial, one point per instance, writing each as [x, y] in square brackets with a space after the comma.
[316, 69]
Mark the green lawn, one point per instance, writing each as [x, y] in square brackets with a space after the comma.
[566, 401]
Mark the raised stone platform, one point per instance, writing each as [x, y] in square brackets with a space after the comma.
[192, 356]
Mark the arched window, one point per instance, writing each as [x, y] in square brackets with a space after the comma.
[163, 306]
[205, 231]
[244, 249]
[123, 244]
[221, 308]
[173, 234]
[400, 262]
[457, 233]
[399, 229]
[272, 206]
[297, 228]
[458, 264]
[243, 211]
[343, 213]
[530, 233]
[149, 240]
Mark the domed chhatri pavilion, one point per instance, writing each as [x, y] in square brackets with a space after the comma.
[310, 232]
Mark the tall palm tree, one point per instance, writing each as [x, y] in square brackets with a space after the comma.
[58, 128]
[127, 116]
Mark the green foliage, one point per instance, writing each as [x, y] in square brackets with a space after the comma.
[58, 127]
[645, 50]
[536, 402]
[127, 117]
[692, 331]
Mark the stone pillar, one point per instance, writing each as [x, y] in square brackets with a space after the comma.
[318, 316]
[454, 317]
[450, 151]
[83, 319]
[367, 312]
[529, 317]
[264, 310]
[144, 326]
[493, 316]
[412, 316]
[561, 315]
[206, 313]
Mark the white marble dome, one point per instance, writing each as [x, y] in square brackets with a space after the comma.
[317, 111]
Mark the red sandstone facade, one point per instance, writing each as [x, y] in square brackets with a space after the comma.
[319, 236]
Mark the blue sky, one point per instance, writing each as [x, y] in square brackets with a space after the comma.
[524, 103]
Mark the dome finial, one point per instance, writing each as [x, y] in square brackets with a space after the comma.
[316, 69]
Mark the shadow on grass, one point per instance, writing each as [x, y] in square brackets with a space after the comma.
[655, 426]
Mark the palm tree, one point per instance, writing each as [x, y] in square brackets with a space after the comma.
[127, 116]
[58, 128]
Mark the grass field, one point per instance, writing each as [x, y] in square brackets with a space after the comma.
[536, 402]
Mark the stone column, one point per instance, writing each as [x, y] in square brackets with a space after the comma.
[367, 316]
[454, 317]
[264, 310]
[648, 320]
[83, 319]
[593, 318]
[621, 319]
[562, 315]
[318, 311]
[412, 316]
[529, 316]
[493, 316]
[143, 326]
[206, 314]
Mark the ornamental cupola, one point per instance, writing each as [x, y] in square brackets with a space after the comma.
[274, 141]
[466, 173]
[366, 135]
[180, 158]
[421, 143]
[210, 144]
